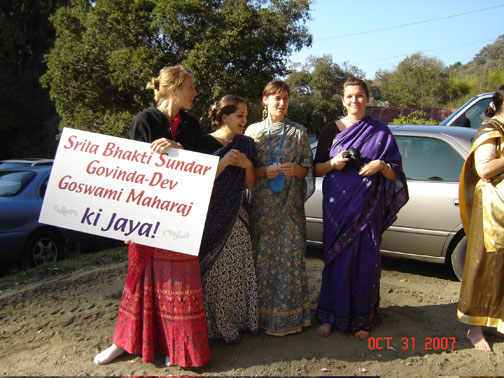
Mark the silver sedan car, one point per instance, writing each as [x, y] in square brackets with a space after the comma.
[428, 227]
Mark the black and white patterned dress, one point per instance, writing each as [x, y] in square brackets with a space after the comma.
[228, 274]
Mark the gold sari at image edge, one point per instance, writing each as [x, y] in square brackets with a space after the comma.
[482, 211]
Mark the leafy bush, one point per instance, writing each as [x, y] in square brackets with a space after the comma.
[417, 117]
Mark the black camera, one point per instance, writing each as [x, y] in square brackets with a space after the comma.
[353, 154]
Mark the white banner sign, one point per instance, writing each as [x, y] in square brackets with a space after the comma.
[120, 189]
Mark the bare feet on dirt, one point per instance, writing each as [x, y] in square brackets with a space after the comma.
[324, 330]
[361, 335]
[476, 337]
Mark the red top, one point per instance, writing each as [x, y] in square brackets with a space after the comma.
[174, 124]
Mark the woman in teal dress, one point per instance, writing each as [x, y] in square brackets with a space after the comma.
[282, 166]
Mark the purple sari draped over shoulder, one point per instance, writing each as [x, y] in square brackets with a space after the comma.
[225, 202]
[357, 209]
[351, 202]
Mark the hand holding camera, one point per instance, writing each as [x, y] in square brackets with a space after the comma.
[352, 153]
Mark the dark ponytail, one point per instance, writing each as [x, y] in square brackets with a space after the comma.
[226, 105]
[495, 105]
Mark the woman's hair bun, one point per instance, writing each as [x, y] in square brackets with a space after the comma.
[153, 84]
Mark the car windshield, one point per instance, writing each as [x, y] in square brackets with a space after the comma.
[11, 183]
[455, 113]
[471, 114]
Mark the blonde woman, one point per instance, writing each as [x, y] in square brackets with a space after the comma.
[161, 307]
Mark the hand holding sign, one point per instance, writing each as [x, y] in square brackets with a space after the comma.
[120, 188]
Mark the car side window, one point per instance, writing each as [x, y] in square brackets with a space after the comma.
[429, 159]
[11, 183]
[474, 116]
[43, 187]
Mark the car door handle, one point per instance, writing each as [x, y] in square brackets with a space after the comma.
[456, 202]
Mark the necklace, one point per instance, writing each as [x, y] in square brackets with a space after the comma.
[221, 138]
[499, 118]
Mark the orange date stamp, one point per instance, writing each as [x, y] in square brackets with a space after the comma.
[411, 343]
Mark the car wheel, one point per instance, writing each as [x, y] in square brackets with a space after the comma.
[458, 257]
[42, 247]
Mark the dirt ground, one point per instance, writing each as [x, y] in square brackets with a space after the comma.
[55, 327]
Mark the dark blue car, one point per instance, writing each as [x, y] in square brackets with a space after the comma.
[22, 237]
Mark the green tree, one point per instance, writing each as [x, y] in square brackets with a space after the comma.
[28, 124]
[485, 73]
[495, 78]
[489, 67]
[106, 51]
[417, 81]
[316, 91]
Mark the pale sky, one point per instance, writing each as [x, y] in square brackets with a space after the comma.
[375, 35]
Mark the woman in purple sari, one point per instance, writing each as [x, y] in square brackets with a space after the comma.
[363, 189]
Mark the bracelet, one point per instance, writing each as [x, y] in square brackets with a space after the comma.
[387, 165]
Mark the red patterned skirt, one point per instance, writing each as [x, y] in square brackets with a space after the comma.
[165, 312]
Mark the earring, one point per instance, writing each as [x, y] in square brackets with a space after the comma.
[265, 113]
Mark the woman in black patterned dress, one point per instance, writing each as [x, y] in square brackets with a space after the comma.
[227, 267]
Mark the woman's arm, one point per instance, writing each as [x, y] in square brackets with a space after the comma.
[292, 169]
[487, 163]
[260, 171]
[249, 176]
[232, 157]
[376, 166]
[245, 163]
[238, 159]
[492, 168]
[337, 162]
[163, 144]
[387, 171]
[321, 169]
[323, 164]
[270, 171]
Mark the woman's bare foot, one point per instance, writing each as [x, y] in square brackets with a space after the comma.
[477, 338]
[167, 361]
[324, 330]
[361, 335]
[108, 355]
